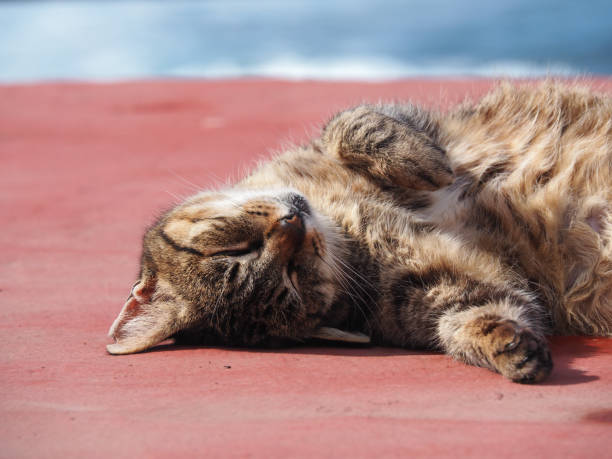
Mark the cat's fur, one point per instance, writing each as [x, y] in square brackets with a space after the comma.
[475, 232]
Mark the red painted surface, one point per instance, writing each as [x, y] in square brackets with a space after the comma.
[84, 168]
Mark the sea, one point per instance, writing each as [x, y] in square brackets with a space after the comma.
[303, 39]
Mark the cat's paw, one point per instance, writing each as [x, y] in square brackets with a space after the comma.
[421, 165]
[387, 149]
[519, 354]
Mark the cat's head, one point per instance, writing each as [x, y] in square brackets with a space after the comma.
[239, 267]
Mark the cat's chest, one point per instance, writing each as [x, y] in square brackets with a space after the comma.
[381, 227]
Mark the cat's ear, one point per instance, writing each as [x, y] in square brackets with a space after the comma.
[145, 319]
[335, 334]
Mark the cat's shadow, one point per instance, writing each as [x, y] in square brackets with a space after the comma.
[565, 351]
[313, 347]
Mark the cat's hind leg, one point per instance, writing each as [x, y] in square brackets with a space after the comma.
[499, 336]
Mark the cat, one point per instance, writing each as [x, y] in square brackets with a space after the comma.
[475, 232]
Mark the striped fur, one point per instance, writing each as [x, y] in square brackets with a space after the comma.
[475, 232]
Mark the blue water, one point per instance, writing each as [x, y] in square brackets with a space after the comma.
[109, 40]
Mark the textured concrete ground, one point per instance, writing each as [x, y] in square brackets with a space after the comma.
[84, 168]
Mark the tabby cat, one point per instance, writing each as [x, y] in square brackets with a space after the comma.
[475, 232]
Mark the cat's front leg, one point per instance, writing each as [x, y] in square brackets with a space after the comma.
[497, 336]
[390, 145]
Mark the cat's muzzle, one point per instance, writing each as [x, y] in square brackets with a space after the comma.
[292, 230]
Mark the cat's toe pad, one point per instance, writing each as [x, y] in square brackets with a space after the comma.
[519, 354]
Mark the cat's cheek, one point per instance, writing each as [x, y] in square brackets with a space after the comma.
[328, 292]
[314, 244]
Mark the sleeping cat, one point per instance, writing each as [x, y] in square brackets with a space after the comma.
[475, 232]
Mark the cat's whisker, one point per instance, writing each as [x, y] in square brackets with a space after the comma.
[357, 275]
[192, 185]
[352, 270]
[178, 198]
[218, 182]
[346, 282]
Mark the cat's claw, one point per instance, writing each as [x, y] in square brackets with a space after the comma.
[519, 354]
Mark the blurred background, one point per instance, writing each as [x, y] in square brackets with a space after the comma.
[303, 39]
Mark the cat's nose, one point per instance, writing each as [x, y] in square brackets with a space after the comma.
[292, 229]
[298, 204]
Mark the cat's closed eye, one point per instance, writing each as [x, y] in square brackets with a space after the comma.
[239, 249]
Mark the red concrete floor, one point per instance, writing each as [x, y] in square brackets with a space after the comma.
[84, 169]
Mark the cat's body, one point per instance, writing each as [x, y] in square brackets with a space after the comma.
[367, 230]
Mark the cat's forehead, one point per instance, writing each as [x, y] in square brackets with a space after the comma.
[221, 214]
[233, 203]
